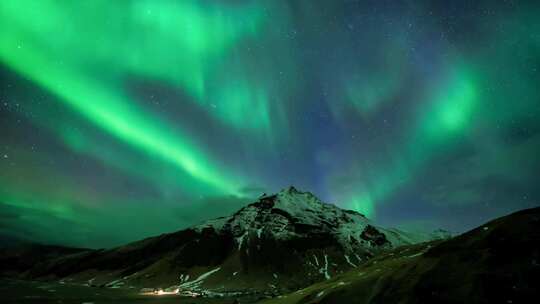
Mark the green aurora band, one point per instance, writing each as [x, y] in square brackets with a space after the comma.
[22, 50]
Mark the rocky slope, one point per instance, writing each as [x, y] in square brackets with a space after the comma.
[277, 244]
[498, 262]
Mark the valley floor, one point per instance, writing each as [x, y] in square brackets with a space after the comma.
[16, 291]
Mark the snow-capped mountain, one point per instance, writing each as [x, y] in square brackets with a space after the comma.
[295, 249]
[279, 243]
[292, 214]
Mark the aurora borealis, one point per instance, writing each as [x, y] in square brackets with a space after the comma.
[125, 119]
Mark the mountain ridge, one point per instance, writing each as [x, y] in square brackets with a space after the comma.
[280, 242]
[497, 262]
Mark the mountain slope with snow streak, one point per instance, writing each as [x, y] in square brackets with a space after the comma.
[292, 214]
[279, 243]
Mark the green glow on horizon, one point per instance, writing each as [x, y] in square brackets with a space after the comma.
[58, 209]
[363, 204]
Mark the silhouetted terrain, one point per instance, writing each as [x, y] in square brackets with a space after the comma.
[495, 263]
[295, 249]
[277, 244]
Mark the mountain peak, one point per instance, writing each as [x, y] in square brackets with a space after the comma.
[290, 189]
[292, 214]
[293, 191]
[297, 202]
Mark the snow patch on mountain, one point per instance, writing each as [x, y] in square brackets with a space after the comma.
[324, 270]
[199, 280]
[292, 214]
[348, 259]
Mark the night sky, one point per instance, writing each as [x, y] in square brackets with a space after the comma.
[125, 119]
